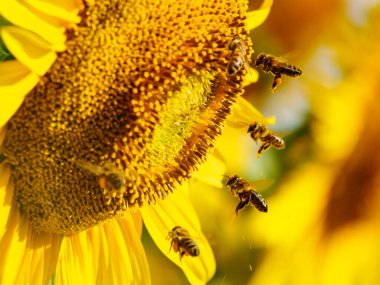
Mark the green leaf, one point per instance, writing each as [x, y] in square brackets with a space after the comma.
[4, 53]
[4, 22]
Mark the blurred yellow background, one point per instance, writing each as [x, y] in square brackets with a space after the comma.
[323, 222]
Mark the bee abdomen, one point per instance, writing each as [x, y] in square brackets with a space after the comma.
[258, 202]
[191, 247]
[235, 65]
[291, 70]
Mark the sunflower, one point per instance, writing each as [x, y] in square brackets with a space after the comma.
[107, 108]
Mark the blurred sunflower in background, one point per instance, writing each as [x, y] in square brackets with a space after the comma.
[106, 108]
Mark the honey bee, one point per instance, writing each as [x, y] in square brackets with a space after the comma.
[182, 242]
[238, 56]
[243, 190]
[259, 132]
[110, 178]
[276, 66]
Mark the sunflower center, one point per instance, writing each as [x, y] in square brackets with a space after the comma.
[126, 113]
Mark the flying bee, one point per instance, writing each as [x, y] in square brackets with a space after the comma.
[259, 132]
[277, 67]
[182, 242]
[243, 190]
[238, 56]
[110, 178]
[246, 116]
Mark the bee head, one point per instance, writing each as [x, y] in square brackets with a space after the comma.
[298, 71]
[173, 232]
[116, 180]
[176, 228]
[260, 59]
[232, 180]
[253, 127]
[235, 43]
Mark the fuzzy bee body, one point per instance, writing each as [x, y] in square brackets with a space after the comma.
[238, 56]
[235, 64]
[111, 179]
[277, 67]
[113, 182]
[243, 190]
[182, 242]
[260, 133]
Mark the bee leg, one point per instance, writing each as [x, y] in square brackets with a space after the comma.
[107, 197]
[266, 68]
[258, 61]
[262, 148]
[171, 245]
[181, 254]
[244, 200]
[277, 81]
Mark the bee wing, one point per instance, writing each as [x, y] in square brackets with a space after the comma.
[186, 233]
[237, 124]
[128, 174]
[290, 59]
[244, 114]
[282, 134]
[261, 184]
[289, 56]
[90, 167]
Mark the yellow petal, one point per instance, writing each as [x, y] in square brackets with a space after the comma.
[137, 221]
[107, 254]
[211, 172]
[75, 263]
[120, 267]
[28, 48]
[244, 114]
[251, 77]
[15, 82]
[51, 254]
[12, 246]
[27, 257]
[3, 132]
[177, 210]
[70, 5]
[139, 263]
[257, 17]
[66, 12]
[13, 234]
[30, 19]
[40, 258]
[79, 257]
[6, 196]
